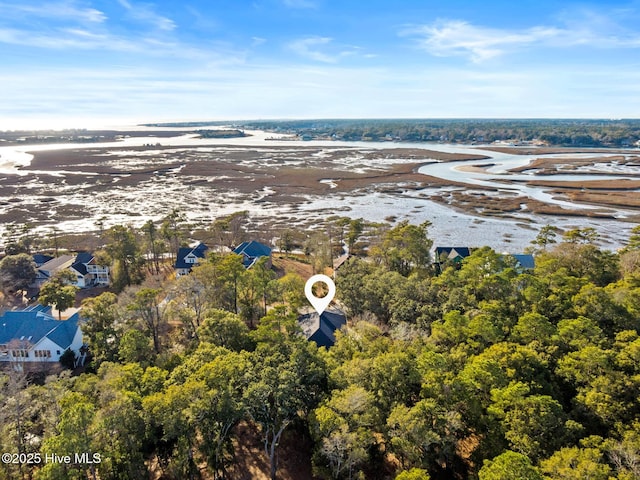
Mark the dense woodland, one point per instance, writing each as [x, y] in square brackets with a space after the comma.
[552, 132]
[478, 371]
[620, 133]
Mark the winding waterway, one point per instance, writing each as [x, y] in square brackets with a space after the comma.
[450, 226]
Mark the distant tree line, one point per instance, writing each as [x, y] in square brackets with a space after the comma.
[570, 133]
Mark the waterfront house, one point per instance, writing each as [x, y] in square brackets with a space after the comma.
[88, 271]
[188, 257]
[252, 251]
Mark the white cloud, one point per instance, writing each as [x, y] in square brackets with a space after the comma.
[308, 48]
[144, 12]
[460, 38]
[323, 90]
[319, 49]
[446, 38]
[53, 10]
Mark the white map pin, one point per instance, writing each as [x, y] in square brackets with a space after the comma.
[320, 304]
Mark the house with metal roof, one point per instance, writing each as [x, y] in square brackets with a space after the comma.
[188, 257]
[252, 251]
[34, 335]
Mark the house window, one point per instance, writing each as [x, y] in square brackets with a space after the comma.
[57, 352]
[42, 353]
[20, 353]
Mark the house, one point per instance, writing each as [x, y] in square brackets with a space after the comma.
[84, 266]
[88, 271]
[187, 257]
[40, 259]
[33, 335]
[524, 261]
[252, 251]
[47, 270]
[451, 256]
[321, 328]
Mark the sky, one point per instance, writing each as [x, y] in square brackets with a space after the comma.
[89, 63]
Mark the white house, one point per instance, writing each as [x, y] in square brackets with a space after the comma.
[88, 272]
[83, 265]
[33, 335]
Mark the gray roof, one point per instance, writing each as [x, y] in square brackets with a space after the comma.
[57, 263]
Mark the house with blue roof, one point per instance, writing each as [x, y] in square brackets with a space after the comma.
[34, 335]
[40, 259]
[450, 256]
[253, 251]
[321, 328]
[188, 257]
[524, 261]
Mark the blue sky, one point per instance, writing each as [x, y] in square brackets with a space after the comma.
[92, 62]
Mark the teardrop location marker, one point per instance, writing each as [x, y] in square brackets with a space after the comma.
[320, 304]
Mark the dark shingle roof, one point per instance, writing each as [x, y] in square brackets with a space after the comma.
[199, 251]
[34, 324]
[40, 259]
[79, 265]
[445, 252]
[321, 328]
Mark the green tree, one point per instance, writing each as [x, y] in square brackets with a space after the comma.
[74, 434]
[17, 272]
[413, 474]
[354, 230]
[581, 235]
[123, 247]
[172, 230]
[224, 329]
[533, 424]
[285, 384]
[509, 466]
[406, 247]
[546, 236]
[152, 243]
[58, 294]
[230, 271]
[135, 346]
[190, 300]
[101, 314]
[424, 435]
[576, 463]
[343, 429]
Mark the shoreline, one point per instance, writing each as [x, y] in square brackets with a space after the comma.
[278, 184]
